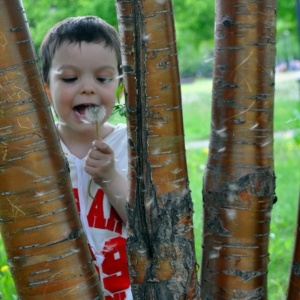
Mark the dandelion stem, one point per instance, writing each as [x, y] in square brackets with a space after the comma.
[97, 131]
[94, 115]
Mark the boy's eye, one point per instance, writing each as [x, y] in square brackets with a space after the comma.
[104, 79]
[68, 80]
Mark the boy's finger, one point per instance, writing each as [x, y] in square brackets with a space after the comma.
[103, 147]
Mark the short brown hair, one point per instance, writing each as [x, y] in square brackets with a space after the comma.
[90, 29]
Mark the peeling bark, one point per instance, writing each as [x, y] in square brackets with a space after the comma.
[239, 181]
[160, 231]
[46, 249]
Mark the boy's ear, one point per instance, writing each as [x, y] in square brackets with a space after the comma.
[47, 90]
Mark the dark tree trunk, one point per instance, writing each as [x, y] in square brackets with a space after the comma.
[160, 229]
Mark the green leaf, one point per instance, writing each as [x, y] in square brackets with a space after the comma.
[120, 108]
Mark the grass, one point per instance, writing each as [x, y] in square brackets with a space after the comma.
[284, 215]
[197, 97]
[7, 289]
[196, 108]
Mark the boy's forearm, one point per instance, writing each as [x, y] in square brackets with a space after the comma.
[117, 190]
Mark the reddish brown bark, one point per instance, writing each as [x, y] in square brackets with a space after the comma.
[239, 181]
[44, 242]
[160, 230]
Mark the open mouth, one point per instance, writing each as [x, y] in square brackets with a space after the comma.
[89, 113]
[81, 109]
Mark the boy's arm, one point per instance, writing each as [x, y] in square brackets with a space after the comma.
[100, 164]
[116, 191]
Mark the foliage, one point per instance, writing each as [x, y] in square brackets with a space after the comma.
[194, 22]
[194, 32]
[43, 14]
[120, 105]
[7, 289]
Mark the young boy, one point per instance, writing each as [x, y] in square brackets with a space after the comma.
[81, 66]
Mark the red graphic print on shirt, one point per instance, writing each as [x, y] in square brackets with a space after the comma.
[114, 266]
[96, 217]
[119, 296]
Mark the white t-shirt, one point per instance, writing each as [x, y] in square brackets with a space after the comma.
[103, 227]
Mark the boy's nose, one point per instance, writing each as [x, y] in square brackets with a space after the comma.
[88, 91]
[87, 87]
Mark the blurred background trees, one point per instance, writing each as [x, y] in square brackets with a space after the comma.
[194, 21]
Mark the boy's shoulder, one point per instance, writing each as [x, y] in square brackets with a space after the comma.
[119, 133]
[121, 126]
[120, 129]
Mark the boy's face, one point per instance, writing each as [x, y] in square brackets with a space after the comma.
[82, 75]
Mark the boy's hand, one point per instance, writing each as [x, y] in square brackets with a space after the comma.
[100, 163]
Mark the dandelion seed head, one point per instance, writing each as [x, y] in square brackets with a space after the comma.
[142, 251]
[265, 144]
[231, 197]
[213, 254]
[176, 185]
[150, 202]
[222, 132]
[146, 37]
[202, 167]
[156, 151]
[39, 194]
[222, 150]
[268, 214]
[254, 126]
[160, 124]
[95, 113]
[168, 161]
[231, 214]
[233, 187]
[176, 171]
[185, 192]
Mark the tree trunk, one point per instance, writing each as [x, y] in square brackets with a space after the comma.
[294, 282]
[43, 238]
[239, 182]
[160, 229]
